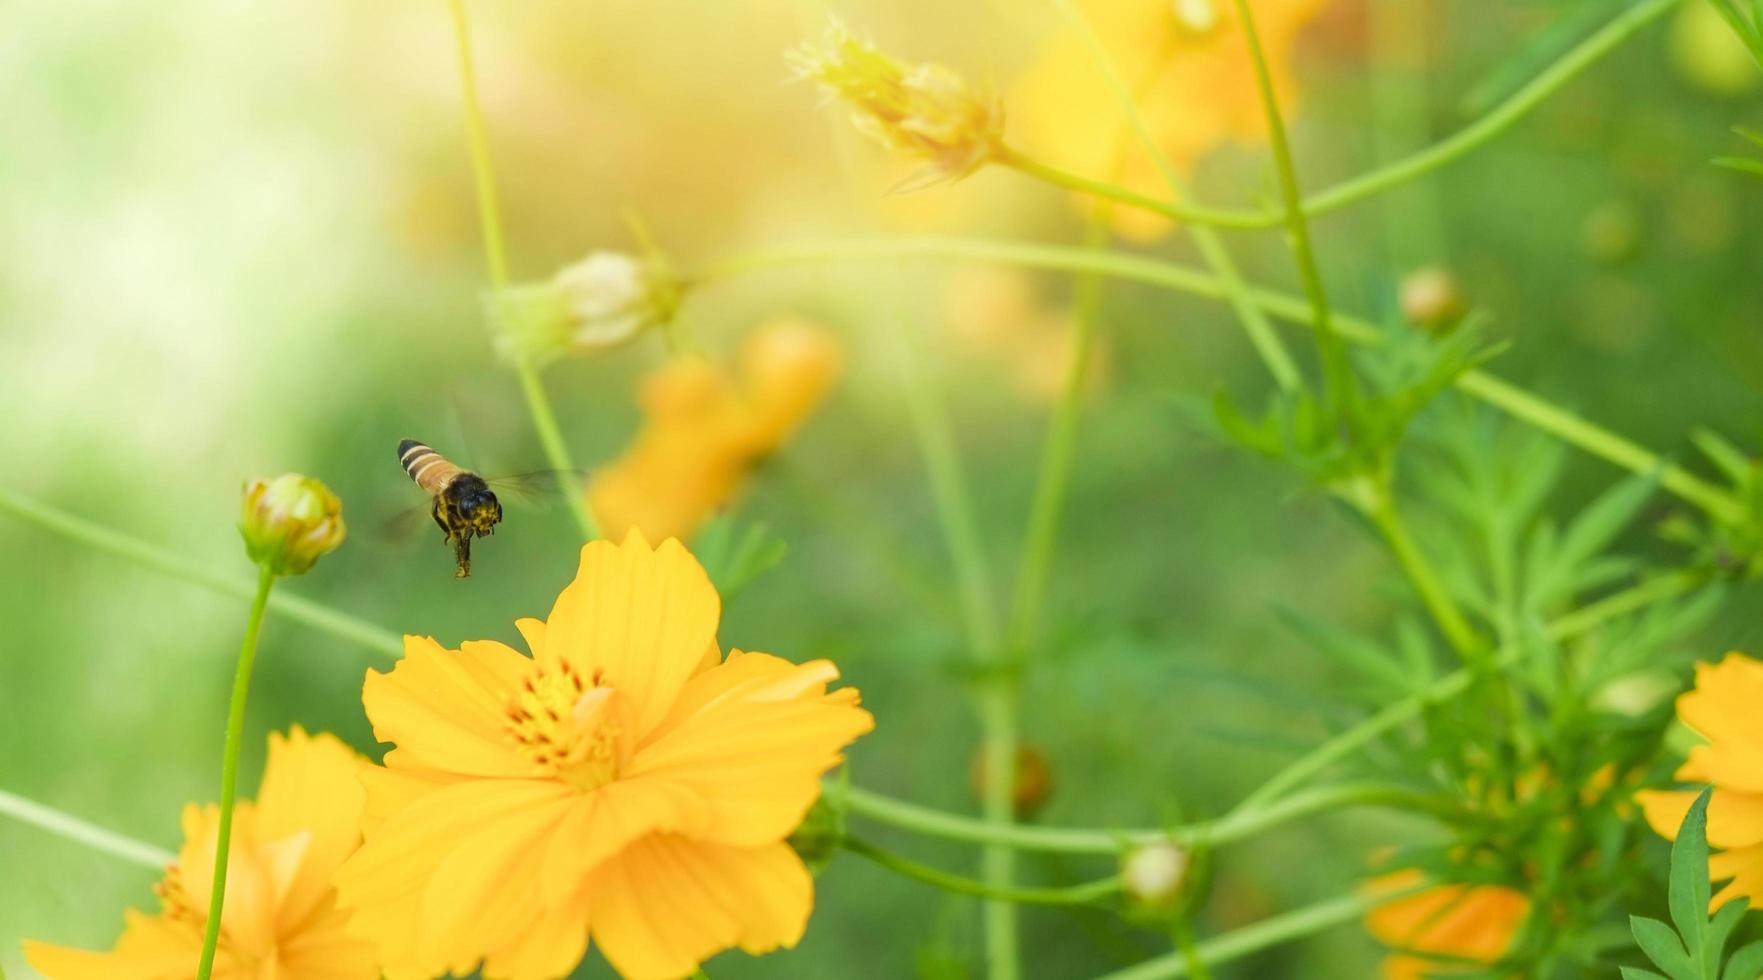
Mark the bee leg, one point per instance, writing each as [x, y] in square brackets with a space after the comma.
[462, 552]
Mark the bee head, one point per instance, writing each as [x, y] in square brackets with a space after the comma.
[481, 510]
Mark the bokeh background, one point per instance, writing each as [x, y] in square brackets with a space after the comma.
[239, 239]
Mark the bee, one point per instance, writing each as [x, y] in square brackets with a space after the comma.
[462, 502]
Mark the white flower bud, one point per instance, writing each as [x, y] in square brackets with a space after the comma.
[1153, 874]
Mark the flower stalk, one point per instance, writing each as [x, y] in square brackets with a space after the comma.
[229, 768]
[538, 403]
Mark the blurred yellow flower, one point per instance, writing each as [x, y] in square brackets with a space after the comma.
[281, 921]
[997, 314]
[924, 111]
[703, 431]
[1467, 926]
[1193, 82]
[1723, 709]
[624, 781]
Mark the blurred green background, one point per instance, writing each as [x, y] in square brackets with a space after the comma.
[238, 240]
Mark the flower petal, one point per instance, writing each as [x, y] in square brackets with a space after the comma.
[666, 904]
[311, 785]
[444, 709]
[761, 733]
[1734, 819]
[1744, 865]
[323, 947]
[600, 825]
[1723, 708]
[642, 617]
[485, 894]
[551, 946]
[150, 948]
[382, 884]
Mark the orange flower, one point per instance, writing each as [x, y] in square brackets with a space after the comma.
[1468, 925]
[281, 920]
[1192, 80]
[704, 433]
[1723, 709]
[625, 781]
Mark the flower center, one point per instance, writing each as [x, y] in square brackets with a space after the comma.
[570, 727]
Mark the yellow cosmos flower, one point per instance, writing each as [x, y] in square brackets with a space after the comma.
[1468, 927]
[624, 781]
[705, 430]
[1722, 708]
[281, 921]
[1192, 79]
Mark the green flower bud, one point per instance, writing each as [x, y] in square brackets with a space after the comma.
[290, 522]
[598, 303]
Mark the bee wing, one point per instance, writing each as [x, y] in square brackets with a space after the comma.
[401, 526]
[539, 489]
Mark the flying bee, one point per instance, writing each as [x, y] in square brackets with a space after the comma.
[462, 502]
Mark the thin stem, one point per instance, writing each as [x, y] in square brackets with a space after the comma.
[1212, 250]
[80, 832]
[229, 770]
[496, 260]
[1420, 163]
[1385, 516]
[1192, 960]
[1074, 840]
[1522, 405]
[1089, 893]
[1499, 119]
[1265, 934]
[1600, 442]
[999, 741]
[304, 611]
[1337, 370]
[1193, 214]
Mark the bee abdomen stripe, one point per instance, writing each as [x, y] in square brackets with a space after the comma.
[429, 469]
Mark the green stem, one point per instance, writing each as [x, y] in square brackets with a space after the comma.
[1434, 157]
[999, 739]
[1212, 250]
[1265, 934]
[1191, 958]
[304, 611]
[80, 832]
[1088, 893]
[1057, 454]
[1385, 516]
[1600, 442]
[229, 770]
[1514, 401]
[496, 260]
[1074, 840]
[1499, 119]
[1587, 618]
[1193, 214]
[1337, 370]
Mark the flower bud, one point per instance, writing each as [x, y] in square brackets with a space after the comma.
[290, 522]
[1034, 780]
[921, 110]
[1430, 299]
[817, 839]
[597, 303]
[1196, 16]
[1153, 874]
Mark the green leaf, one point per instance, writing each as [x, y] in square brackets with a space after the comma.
[1746, 964]
[1662, 947]
[1750, 134]
[1636, 973]
[1731, 460]
[1356, 652]
[1742, 164]
[1604, 519]
[733, 555]
[1720, 927]
[1689, 874]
